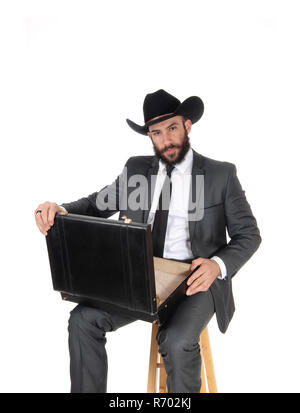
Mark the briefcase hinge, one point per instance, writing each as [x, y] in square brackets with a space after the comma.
[158, 301]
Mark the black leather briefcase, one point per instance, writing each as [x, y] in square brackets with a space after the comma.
[109, 264]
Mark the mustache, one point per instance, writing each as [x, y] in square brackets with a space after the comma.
[170, 147]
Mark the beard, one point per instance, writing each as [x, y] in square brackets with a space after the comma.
[183, 149]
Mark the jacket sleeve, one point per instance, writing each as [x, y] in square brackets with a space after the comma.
[103, 203]
[241, 226]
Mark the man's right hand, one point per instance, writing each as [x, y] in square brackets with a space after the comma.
[45, 219]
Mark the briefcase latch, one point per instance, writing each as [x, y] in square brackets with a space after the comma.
[126, 220]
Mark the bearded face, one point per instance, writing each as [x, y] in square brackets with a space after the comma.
[168, 154]
[170, 140]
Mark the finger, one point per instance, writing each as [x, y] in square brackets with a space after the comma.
[204, 286]
[192, 292]
[200, 284]
[196, 274]
[198, 261]
[196, 268]
[51, 214]
[193, 277]
[196, 282]
[44, 215]
[195, 263]
[40, 223]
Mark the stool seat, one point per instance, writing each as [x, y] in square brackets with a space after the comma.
[208, 380]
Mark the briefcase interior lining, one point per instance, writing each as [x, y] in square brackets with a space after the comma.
[169, 274]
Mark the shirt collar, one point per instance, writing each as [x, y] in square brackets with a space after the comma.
[184, 166]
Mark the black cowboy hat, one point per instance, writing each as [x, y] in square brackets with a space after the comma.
[160, 105]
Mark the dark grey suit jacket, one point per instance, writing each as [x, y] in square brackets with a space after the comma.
[225, 207]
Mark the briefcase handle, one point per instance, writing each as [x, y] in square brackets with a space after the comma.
[126, 220]
[62, 211]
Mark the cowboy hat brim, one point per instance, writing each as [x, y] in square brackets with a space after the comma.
[192, 108]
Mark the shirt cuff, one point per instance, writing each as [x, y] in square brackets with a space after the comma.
[223, 274]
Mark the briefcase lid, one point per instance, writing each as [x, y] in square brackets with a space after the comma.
[103, 260]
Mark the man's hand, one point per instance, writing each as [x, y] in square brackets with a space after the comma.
[45, 219]
[202, 279]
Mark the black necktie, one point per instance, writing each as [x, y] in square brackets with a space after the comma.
[161, 216]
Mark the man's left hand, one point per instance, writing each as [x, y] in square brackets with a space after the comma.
[202, 279]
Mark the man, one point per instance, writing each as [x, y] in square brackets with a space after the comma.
[177, 234]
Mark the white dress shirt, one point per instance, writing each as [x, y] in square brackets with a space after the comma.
[177, 241]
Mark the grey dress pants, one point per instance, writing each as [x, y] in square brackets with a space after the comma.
[177, 340]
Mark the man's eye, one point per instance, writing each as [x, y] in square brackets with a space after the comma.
[155, 133]
[173, 127]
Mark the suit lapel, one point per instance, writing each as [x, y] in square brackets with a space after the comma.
[151, 180]
[197, 169]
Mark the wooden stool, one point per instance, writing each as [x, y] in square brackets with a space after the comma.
[208, 379]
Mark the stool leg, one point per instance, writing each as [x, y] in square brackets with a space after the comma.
[151, 387]
[162, 376]
[207, 361]
[208, 378]
[203, 380]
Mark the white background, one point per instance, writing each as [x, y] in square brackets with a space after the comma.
[71, 72]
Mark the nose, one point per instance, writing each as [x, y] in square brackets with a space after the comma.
[166, 138]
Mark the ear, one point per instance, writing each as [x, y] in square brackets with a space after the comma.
[188, 125]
